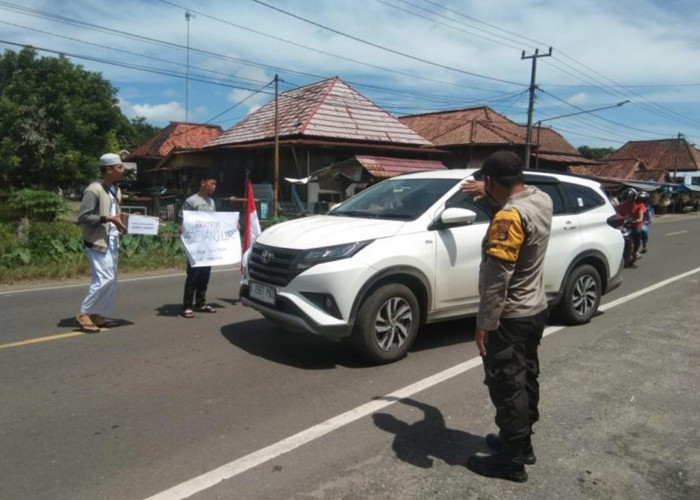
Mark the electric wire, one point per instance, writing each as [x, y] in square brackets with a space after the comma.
[600, 117]
[128, 52]
[650, 105]
[384, 2]
[385, 48]
[319, 51]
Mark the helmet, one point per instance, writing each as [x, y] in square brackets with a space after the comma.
[630, 194]
[643, 196]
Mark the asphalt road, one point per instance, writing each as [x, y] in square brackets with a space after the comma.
[226, 406]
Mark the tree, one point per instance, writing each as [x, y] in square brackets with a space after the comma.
[56, 119]
[594, 153]
[136, 132]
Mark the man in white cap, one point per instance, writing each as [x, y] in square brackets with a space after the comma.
[100, 219]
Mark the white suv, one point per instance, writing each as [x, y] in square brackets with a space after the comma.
[406, 251]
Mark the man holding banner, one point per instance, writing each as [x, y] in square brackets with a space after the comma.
[197, 276]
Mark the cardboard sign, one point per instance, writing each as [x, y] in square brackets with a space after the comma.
[142, 224]
[211, 238]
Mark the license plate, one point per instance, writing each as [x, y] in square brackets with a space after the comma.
[263, 293]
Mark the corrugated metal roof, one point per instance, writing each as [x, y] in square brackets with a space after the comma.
[664, 154]
[327, 109]
[382, 166]
[177, 135]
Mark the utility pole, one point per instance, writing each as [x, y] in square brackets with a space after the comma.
[675, 159]
[277, 148]
[531, 106]
[188, 15]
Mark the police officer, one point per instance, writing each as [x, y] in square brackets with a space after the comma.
[512, 311]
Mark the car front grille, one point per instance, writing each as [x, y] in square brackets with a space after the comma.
[272, 265]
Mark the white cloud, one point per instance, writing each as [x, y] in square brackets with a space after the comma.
[171, 111]
[579, 98]
[631, 42]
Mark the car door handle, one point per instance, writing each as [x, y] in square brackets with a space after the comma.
[569, 226]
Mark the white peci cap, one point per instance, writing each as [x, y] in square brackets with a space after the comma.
[109, 159]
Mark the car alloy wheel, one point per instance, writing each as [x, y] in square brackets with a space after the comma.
[585, 295]
[387, 323]
[393, 323]
[581, 295]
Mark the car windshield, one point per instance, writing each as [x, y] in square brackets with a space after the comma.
[400, 199]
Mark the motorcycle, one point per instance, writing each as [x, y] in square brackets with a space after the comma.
[627, 229]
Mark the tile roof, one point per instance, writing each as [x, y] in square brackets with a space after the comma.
[615, 169]
[663, 154]
[479, 125]
[177, 135]
[570, 159]
[326, 109]
[551, 141]
[650, 175]
[625, 168]
[482, 126]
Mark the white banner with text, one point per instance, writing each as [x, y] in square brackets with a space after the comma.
[211, 238]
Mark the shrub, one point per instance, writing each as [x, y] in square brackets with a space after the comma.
[37, 205]
[55, 250]
[8, 237]
[55, 241]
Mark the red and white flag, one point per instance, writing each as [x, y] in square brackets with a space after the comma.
[252, 229]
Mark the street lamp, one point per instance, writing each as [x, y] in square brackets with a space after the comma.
[582, 112]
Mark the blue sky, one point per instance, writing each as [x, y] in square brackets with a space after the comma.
[408, 56]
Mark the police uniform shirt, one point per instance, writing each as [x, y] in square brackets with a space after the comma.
[511, 283]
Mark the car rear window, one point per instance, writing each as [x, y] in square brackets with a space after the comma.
[582, 198]
[552, 190]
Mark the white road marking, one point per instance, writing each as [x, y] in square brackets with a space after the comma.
[677, 232]
[86, 283]
[243, 464]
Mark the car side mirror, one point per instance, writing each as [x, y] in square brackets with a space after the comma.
[453, 217]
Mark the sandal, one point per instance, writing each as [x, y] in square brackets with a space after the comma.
[188, 313]
[101, 321]
[206, 309]
[86, 324]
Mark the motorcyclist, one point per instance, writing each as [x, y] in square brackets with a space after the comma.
[643, 197]
[633, 210]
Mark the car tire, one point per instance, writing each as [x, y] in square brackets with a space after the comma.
[581, 296]
[387, 324]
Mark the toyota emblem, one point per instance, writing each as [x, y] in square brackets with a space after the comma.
[266, 256]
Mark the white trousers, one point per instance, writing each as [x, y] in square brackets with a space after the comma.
[103, 287]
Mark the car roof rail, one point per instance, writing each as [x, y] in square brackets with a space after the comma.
[540, 176]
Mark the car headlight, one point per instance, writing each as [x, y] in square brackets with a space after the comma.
[326, 254]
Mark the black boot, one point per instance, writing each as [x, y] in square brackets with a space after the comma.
[494, 443]
[499, 466]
